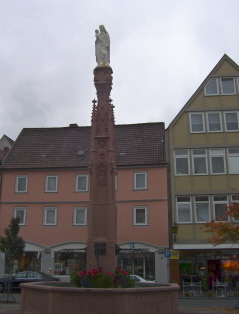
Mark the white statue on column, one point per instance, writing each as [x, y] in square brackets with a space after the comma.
[102, 46]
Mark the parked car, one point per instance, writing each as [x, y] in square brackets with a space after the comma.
[25, 276]
[137, 278]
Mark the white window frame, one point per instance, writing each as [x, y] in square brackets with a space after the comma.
[191, 122]
[182, 156]
[225, 121]
[16, 209]
[195, 156]
[17, 183]
[76, 208]
[46, 209]
[184, 203]
[234, 85]
[145, 173]
[135, 215]
[233, 155]
[213, 155]
[46, 184]
[205, 88]
[234, 199]
[220, 119]
[198, 202]
[222, 202]
[82, 175]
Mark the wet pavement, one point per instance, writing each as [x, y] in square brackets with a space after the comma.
[190, 305]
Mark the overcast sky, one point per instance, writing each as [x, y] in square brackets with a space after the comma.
[161, 51]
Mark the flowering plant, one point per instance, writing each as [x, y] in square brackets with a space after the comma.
[98, 279]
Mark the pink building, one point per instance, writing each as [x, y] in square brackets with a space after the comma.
[45, 181]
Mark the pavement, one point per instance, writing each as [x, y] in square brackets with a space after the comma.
[190, 305]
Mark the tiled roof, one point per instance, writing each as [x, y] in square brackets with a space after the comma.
[2, 155]
[136, 144]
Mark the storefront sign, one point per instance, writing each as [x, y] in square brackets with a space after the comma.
[174, 254]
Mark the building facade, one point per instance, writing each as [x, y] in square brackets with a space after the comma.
[45, 181]
[203, 157]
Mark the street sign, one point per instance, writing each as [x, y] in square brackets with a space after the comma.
[167, 253]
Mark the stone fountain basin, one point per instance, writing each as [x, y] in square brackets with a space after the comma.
[39, 298]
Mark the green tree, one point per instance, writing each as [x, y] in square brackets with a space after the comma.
[226, 228]
[12, 244]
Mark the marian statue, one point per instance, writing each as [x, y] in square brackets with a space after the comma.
[102, 46]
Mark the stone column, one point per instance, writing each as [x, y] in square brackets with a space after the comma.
[102, 216]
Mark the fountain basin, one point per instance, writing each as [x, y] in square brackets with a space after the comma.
[38, 298]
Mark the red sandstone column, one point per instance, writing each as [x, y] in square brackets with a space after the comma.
[102, 215]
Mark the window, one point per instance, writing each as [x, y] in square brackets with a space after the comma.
[140, 215]
[21, 213]
[212, 87]
[199, 161]
[181, 162]
[51, 184]
[233, 160]
[202, 208]
[228, 85]
[140, 180]
[217, 161]
[184, 209]
[81, 183]
[50, 216]
[231, 121]
[21, 184]
[220, 207]
[80, 216]
[197, 122]
[214, 122]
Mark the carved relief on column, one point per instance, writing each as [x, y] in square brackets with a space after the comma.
[101, 174]
[102, 145]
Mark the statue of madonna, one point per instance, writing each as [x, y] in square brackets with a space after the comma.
[102, 46]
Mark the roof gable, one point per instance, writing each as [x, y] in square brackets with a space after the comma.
[225, 67]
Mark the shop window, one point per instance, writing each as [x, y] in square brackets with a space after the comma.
[197, 122]
[231, 121]
[199, 161]
[217, 158]
[233, 160]
[21, 213]
[184, 211]
[220, 204]
[21, 184]
[50, 216]
[214, 122]
[80, 216]
[202, 209]
[211, 87]
[51, 184]
[69, 261]
[140, 215]
[81, 183]
[140, 180]
[228, 86]
[181, 159]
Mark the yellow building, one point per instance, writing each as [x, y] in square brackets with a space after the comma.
[203, 158]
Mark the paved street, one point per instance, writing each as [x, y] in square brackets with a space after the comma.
[186, 305]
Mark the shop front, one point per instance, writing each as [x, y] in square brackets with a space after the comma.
[209, 266]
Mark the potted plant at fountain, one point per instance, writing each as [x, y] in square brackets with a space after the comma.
[99, 279]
